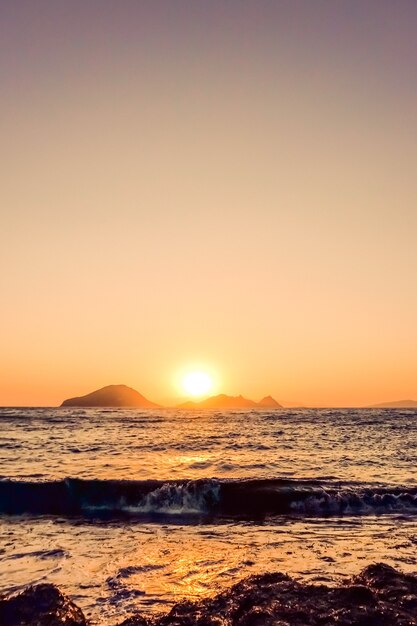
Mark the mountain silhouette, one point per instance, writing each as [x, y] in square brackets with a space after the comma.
[397, 404]
[270, 403]
[112, 395]
[223, 401]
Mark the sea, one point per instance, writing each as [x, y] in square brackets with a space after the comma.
[128, 510]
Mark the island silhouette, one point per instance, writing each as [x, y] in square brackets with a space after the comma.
[113, 396]
[396, 404]
[223, 401]
[124, 396]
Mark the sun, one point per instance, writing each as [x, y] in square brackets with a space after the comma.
[197, 383]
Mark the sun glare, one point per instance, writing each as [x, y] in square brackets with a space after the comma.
[197, 383]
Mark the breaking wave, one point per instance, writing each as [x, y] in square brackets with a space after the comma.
[242, 499]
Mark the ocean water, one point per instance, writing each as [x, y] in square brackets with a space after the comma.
[131, 510]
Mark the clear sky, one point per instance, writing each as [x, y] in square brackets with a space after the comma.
[223, 184]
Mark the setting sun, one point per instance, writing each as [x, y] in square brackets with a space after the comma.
[197, 383]
[208, 372]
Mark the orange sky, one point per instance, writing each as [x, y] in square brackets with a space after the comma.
[226, 186]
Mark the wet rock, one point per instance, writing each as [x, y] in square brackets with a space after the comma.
[390, 585]
[40, 605]
[379, 596]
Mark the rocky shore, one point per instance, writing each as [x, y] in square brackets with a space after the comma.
[378, 596]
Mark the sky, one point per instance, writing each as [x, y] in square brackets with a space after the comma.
[229, 186]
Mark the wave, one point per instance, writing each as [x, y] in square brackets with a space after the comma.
[243, 499]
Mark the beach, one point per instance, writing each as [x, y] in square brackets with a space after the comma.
[129, 511]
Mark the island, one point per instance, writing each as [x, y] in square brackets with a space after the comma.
[223, 401]
[112, 396]
[397, 404]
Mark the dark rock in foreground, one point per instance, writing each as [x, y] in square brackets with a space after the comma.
[378, 596]
[40, 605]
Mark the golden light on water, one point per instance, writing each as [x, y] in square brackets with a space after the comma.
[197, 383]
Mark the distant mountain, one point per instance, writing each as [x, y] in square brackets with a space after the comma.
[112, 395]
[269, 403]
[398, 404]
[230, 402]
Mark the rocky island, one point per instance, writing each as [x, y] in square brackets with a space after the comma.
[112, 396]
[223, 401]
[123, 396]
[396, 404]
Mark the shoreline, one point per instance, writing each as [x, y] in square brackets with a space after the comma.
[378, 596]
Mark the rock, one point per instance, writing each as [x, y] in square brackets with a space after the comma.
[39, 605]
[378, 596]
[390, 585]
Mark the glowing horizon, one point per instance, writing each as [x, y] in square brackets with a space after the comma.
[202, 183]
